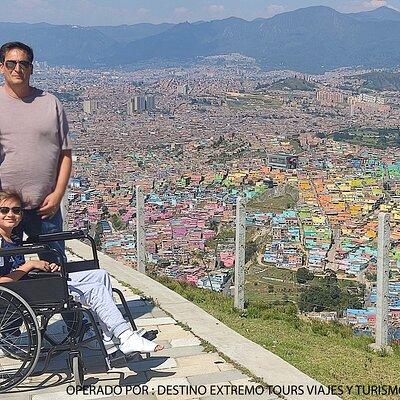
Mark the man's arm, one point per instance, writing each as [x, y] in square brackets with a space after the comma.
[52, 201]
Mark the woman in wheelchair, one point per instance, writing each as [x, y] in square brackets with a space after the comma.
[91, 288]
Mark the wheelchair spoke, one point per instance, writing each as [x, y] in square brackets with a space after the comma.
[5, 313]
[13, 346]
[20, 339]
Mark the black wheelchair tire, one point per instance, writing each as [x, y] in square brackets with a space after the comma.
[35, 342]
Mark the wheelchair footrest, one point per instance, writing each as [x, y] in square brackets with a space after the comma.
[117, 359]
[151, 335]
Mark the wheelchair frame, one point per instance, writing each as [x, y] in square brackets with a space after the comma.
[47, 296]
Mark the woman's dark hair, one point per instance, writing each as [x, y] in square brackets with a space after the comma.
[15, 45]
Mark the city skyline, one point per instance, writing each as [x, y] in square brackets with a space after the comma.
[119, 12]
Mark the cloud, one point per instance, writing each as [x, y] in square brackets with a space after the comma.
[372, 4]
[31, 4]
[216, 8]
[274, 9]
[181, 12]
[143, 12]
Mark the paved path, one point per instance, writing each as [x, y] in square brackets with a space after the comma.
[259, 361]
[184, 365]
[183, 362]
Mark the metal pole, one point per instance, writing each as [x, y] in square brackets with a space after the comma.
[382, 307]
[64, 210]
[140, 231]
[240, 253]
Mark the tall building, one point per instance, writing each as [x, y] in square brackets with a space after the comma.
[328, 97]
[136, 105]
[89, 106]
[150, 101]
[141, 103]
[183, 89]
[368, 103]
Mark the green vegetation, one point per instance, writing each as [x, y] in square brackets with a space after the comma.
[248, 100]
[377, 138]
[381, 81]
[326, 295]
[290, 84]
[266, 203]
[270, 285]
[296, 146]
[117, 222]
[329, 352]
[223, 236]
[303, 275]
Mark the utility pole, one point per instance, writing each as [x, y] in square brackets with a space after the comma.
[140, 231]
[382, 306]
[240, 244]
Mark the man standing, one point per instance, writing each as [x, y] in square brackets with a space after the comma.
[35, 151]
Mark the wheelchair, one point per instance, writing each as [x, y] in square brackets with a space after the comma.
[28, 305]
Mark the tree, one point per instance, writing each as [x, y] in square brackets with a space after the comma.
[303, 275]
[117, 222]
[251, 249]
[97, 235]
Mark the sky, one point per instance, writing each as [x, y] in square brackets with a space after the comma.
[118, 12]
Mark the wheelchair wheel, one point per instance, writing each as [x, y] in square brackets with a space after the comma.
[78, 370]
[20, 339]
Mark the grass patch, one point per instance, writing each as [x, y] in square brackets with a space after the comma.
[329, 353]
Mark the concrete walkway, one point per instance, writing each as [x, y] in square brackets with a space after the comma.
[184, 366]
[187, 368]
[260, 362]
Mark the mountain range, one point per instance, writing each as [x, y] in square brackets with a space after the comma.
[312, 39]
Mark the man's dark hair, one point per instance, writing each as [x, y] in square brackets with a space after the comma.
[15, 45]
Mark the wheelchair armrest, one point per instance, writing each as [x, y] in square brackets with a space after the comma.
[37, 273]
[28, 249]
[50, 237]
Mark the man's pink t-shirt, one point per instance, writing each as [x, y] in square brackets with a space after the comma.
[33, 131]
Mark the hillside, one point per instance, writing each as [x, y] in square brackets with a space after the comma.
[292, 84]
[381, 81]
[312, 39]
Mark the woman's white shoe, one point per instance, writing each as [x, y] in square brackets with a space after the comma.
[136, 343]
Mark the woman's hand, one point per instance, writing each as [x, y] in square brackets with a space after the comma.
[44, 265]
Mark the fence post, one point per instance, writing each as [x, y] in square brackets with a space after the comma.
[64, 210]
[240, 244]
[140, 231]
[382, 306]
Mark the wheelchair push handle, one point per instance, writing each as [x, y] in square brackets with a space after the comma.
[27, 249]
[65, 235]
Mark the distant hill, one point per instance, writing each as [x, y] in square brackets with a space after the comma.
[379, 14]
[381, 81]
[130, 33]
[292, 84]
[313, 39]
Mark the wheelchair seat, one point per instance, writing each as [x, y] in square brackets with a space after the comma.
[42, 289]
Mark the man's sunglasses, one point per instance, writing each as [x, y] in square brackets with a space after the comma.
[14, 210]
[11, 64]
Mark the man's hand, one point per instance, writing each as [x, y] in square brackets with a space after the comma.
[44, 265]
[50, 205]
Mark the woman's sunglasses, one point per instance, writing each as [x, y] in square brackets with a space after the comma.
[14, 210]
[11, 64]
